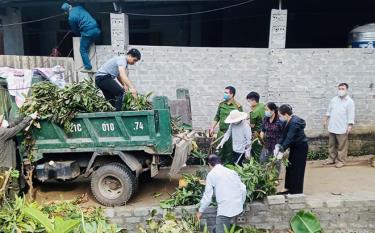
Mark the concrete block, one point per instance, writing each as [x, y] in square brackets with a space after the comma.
[265, 226]
[256, 219]
[315, 203]
[297, 206]
[123, 212]
[334, 203]
[296, 198]
[142, 211]
[276, 200]
[133, 219]
[258, 206]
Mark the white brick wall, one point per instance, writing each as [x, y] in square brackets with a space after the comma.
[304, 78]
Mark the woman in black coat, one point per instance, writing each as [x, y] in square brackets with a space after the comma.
[294, 138]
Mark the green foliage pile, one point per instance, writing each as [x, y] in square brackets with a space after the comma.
[61, 105]
[171, 224]
[142, 102]
[188, 195]
[65, 217]
[260, 180]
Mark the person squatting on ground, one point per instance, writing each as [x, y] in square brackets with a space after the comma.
[222, 113]
[240, 132]
[270, 133]
[256, 118]
[115, 68]
[340, 120]
[293, 137]
[229, 191]
[83, 24]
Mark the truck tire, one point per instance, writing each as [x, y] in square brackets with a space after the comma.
[113, 184]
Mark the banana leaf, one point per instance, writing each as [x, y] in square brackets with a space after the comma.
[305, 222]
[40, 217]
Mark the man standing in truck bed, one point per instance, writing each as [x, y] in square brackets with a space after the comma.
[115, 68]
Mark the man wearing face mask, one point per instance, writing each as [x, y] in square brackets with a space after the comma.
[222, 113]
[256, 119]
[340, 120]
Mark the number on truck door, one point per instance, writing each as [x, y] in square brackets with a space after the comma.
[108, 127]
[138, 125]
[76, 128]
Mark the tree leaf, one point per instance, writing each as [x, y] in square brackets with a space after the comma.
[65, 226]
[39, 217]
[305, 222]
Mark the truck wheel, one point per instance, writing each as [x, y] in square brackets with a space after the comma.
[113, 184]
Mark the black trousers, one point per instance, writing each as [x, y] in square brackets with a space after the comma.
[295, 171]
[237, 158]
[112, 91]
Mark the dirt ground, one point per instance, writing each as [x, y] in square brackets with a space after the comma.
[358, 175]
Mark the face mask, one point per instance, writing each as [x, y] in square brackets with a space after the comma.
[282, 118]
[226, 97]
[268, 113]
[341, 93]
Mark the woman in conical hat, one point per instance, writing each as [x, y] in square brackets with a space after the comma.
[240, 131]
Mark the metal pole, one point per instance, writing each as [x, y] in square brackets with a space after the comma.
[280, 4]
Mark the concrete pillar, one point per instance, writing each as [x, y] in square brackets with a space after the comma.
[13, 36]
[278, 27]
[119, 33]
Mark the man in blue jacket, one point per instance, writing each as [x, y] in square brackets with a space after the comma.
[83, 24]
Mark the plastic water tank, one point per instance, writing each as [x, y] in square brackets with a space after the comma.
[362, 36]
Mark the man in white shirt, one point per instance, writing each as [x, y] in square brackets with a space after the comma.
[340, 121]
[229, 191]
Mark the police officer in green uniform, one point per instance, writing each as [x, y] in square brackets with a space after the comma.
[223, 111]
[256, 120]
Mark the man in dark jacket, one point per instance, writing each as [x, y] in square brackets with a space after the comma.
[83, 24]
[7, 144]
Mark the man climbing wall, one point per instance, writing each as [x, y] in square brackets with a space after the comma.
[83, 24]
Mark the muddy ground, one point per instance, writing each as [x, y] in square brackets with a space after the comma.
[358, 175]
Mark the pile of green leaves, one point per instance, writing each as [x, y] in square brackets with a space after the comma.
[142, 102]
[260, 180]
[188, 195]
[66, 217]
[171, 224]
[61, 105]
